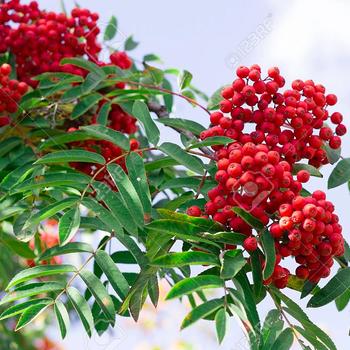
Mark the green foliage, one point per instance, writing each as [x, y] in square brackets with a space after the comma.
[140, 204]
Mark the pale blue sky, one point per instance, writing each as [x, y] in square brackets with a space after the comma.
[305, 39]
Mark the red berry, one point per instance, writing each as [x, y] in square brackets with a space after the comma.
[303, 176]
[194, 211]
[250, 244]
[302, 272]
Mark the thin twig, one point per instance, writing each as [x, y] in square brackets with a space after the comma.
[283, 314]
[201, 184]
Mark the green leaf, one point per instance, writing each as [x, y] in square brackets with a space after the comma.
[340, 174]
[130, 44]
[190, 94]
[298, 313]
[127, 192]
[193, 284]
[111, 29]
[206, 225]
[249, 218]
[268, 244]
[179, 229]
[168, 98]
[151, 57]
[138, 177]
[19, 308]
[333, 155]
[112, 224]
[30, 314]
[100, 293]
[62, 317]
[69, 248]
[113, 274]
[310, 338]
[221, 324]
[103, 114]
[83, 63]
[161, 163]
[272, 326]
[311, 169]
[215, 99]
[32, 289]
[333, 289]
[156, 74]
[177, 153]
[85, 104]
[9, 144]
[140, 111]
[343, 300]
[184, 79]
[233, 262]
[74, 180]
[257, 274]
[186, 258]
[69, 225]
[107, 134]
[49, 211]
[183, 124]
[39, 271]
[211, 141]
[225, 237]
[308, 288]
[18, 247]
[82, 308]
[181, 182]
[123, 257]
[72, 155]
[62, 139]
[284, 340]
[249, 303]
[201, 311]
[116, 205]
[153, 290]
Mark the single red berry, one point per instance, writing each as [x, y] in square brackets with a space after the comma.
[302, 272]
[5, 69]
[250, 244]
[331, 99]
[194, 211]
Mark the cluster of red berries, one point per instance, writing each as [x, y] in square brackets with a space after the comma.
[42, 39]
[255, 172]
[11, 91]
[308, 229]
[290, 122]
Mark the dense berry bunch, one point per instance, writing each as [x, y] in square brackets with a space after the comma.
[11, 91]
[40, 39]
[255, 172]
[308, 229]
[291, 122]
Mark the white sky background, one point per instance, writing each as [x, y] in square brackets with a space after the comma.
[306, 39]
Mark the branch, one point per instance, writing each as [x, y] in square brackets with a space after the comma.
[162, 112]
